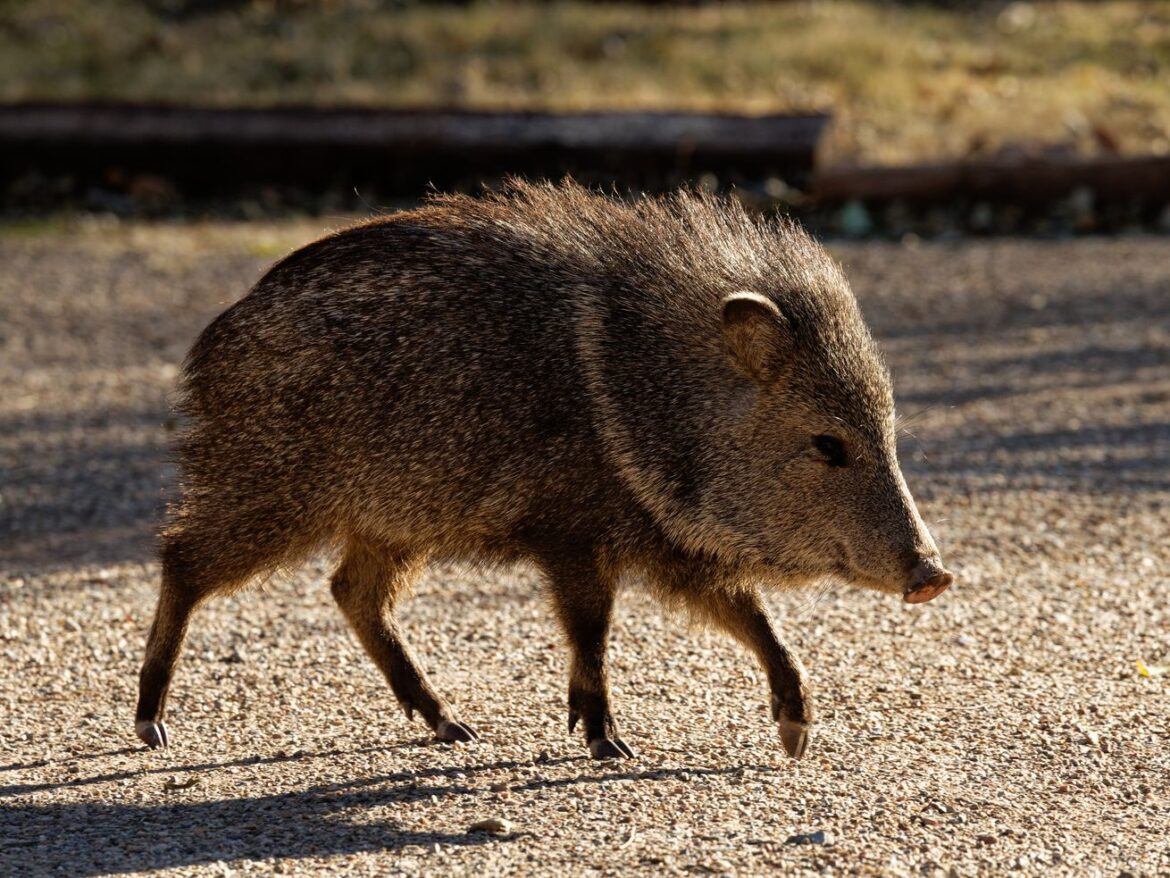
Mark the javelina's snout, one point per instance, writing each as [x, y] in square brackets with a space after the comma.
[928, 580]
[893, 549]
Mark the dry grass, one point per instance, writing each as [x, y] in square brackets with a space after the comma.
[183, 241]
[906, 82]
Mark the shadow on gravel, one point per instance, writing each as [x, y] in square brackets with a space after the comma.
[1094, 453]
[1067, 305]
[83, 487]
[1095, 459]
[24, 789]
[1096, 367]
[40, 763]
[102, 838]
[108, 839]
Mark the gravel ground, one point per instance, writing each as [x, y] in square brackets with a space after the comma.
[1003, 726]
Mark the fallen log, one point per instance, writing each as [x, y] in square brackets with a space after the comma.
[1026, 182]
[399, 150]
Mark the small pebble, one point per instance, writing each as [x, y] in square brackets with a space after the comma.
[497, 825]
[818, 837]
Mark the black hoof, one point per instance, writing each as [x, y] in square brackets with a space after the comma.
[605, 748]
[153, 734]
[453, 730]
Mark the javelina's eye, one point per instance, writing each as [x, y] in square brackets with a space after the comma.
[831, 449]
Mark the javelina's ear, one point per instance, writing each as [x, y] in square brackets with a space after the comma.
[753, 330]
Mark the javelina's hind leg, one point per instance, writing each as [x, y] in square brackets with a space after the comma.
[584, 602]
[366, 587]
[744, 615]
[186, 581]
[162, 652]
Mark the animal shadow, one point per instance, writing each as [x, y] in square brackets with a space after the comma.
[109, 838]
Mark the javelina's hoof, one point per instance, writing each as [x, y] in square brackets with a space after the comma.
[794, 736]
[453, 730]
[153, 734]
[604, 748]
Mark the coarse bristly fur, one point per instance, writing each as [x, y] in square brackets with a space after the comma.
[666, 387]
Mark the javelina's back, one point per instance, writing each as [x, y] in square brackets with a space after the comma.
[667, 386]
[408, 376]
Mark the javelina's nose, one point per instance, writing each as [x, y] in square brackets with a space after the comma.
[928, 580]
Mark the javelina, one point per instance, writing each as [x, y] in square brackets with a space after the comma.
[666, 388]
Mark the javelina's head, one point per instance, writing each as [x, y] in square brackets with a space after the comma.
[814, 465]
[735, 385]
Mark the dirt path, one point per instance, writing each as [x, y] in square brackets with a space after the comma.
[1003, 726]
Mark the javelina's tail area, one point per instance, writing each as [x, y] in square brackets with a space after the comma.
[219, 540]
[198, 562]
[252, 468]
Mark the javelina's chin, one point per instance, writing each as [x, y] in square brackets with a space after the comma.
[858, 579]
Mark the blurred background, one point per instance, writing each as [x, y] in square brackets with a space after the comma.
[1034, 117]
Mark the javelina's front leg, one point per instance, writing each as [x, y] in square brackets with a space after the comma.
[583, 598]
[744, 615]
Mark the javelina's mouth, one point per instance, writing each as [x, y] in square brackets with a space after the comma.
[929, 589]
